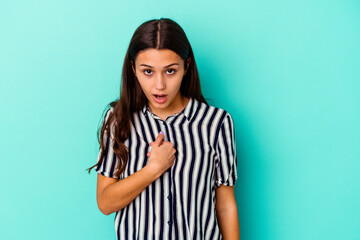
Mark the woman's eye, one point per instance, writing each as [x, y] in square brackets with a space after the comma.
[172, 71]
[147, 71]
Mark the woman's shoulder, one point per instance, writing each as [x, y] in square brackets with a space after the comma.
[108, 112]
[110, 108]
[216, 115]
[214, 108]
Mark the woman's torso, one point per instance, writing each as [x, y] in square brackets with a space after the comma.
[181, 203]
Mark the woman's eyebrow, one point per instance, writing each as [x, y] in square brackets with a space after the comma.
[165, 66]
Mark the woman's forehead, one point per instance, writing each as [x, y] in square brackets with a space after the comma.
[157, 57]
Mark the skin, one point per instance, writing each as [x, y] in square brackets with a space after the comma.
[226, 212]
[157, 77]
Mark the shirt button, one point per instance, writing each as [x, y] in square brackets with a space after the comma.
[169, 222]
[168, 197]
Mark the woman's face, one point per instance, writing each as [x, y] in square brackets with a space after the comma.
[160, 73]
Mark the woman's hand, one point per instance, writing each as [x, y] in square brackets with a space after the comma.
[162, 155]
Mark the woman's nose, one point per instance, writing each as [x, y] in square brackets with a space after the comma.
[160, 82]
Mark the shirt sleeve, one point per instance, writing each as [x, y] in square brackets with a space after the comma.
[110, 160]
[226, 164]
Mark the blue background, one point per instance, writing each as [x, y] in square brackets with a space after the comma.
[287, 71]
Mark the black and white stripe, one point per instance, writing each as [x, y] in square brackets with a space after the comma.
[181, 203]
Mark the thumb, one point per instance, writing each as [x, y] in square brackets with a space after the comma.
[159, 139]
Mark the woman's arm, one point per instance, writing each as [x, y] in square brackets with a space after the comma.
[112, 195]
[226, 211]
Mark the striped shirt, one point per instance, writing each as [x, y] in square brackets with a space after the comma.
[181, 203]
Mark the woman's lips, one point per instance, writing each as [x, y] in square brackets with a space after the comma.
[160, 98]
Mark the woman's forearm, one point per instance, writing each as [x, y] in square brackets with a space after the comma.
[229, 222]
[119, 194]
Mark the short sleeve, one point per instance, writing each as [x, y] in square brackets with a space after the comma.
[226, 166]
[110, 161]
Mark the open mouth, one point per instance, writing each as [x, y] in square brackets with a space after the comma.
[159, 96]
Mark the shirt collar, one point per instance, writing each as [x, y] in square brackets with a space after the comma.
[188, 111]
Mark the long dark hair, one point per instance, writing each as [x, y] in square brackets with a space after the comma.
[162, 33]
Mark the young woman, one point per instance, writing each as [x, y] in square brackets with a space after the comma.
[167, 159]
